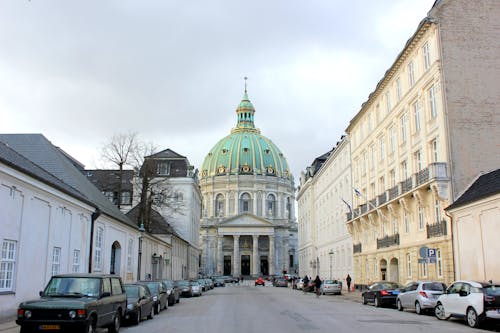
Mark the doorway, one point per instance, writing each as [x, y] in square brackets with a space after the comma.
[245, 265]
[264, 265]
[115, 258]
[383, 269]
[227, 265]
[394, 270]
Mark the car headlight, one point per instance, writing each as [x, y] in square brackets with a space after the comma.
[27, 314]
[130, 306]
[72, 314]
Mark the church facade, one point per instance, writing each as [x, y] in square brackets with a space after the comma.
[248, 224]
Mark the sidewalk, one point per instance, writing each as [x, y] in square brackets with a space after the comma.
[354, 296]
[8, 324]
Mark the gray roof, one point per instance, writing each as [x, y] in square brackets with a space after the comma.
[40, 151]
[486, 185]
[159, 224]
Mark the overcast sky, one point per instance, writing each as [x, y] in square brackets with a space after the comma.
[172, 70]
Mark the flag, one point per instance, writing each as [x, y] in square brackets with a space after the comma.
[358, 193]
[348, 206]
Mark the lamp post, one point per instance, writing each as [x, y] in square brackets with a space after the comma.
[331, 258]
[139, 264]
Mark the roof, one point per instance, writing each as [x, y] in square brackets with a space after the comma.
[40, 151]
[11, 158]
[484, 186]
[167, 153]
[108, 180]
[159, 224]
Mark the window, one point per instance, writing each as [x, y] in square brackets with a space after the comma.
[76, 261]
[408, 263]
[392, 177]
[130, 248]
[98, 249]
[245, 203]
[373, 156]
[372, 190]
[126, 198]
[381, 184]
[56, 260]
[424, 269]
[163, 168]
[416, 114]
[407, 222]
[432, 102]
[116, 287]
[365, 163]
[387, 102]
[420, 218]
[110, 195]
[418, 160]
[271, 205]
[411, 74]
[427, 56]
[439, 263]
[382, 148]
[392, 139]
[394, 227]
[403, 128]
[437, 211]
[398, 89]
[434, 150]
[7, 265]
[219, 205]
[404, 170]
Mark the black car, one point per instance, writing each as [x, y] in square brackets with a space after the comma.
[76, 303]
[140, 303]
[159, 292]
[173, 292]
[382, 293]
[185, 288]
[219, 282]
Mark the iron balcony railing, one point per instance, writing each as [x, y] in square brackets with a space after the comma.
[356, 248]
[388, 241]
[393, 192]
[406, 185]
[382, 199]
[436, 230]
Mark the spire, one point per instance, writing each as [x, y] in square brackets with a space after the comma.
[245, 112]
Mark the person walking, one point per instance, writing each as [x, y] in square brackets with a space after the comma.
[317, 285]
[348, 280]
[305, 284]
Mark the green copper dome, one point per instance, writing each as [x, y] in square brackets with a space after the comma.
[245, 150]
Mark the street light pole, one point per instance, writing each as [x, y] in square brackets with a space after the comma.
[331, 257]
[139, 264]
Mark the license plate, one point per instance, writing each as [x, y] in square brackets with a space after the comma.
[49, 327]
[395, 292]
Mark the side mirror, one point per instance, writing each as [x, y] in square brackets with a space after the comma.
[105, 294]
[41, 293]
[463, 293]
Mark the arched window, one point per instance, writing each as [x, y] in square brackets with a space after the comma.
[245, 203]
[219, 205]
[288, 207]
[271, 205]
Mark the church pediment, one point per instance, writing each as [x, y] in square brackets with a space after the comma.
[246, 220]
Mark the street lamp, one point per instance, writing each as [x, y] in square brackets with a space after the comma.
[331, 258]
[141, 230]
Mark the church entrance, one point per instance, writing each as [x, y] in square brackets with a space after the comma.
[264, 266]
[245, 265]
[227, 265]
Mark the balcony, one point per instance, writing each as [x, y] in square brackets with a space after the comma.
[437, 230]
[382, 199]
[406, 185]
[393, 192]
[356, 248]
[388, 241]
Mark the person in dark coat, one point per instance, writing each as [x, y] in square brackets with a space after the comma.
[317, 285]
[348, 280]
[305, 284]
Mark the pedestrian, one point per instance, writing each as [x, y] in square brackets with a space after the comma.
[305, 284]
[317, 285]
[348, 280]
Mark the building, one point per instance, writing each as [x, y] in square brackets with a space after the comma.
[107, 181]
[325, 245]
[427, 129]
[474, 217]
[248, 222]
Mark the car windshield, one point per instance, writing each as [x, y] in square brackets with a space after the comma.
[434, 286]
[331, 281]
[168, 284]
[195, 283]
[73, 286]
[132, 291]
[183, 283]
[493, 290]
[390, 285]
[153, 286]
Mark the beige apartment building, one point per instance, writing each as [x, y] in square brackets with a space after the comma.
[429, 127]
[325, 245]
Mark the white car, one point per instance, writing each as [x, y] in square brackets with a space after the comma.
[471, 300]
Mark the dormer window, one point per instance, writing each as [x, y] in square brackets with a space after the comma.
[267, 151]
[245, 150]
[163, 168]
[224, 151]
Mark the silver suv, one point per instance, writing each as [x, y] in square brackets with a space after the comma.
[420, 295]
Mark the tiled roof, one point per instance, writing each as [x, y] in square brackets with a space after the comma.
[485, 186]
[40, 151]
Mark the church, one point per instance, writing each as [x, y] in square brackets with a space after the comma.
[248, 225]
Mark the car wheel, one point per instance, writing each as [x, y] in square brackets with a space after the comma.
[364, 299]
[376, 302]
[178, 300]
[166, 305]
[115, 327]
[472, 318]
[418, 308]
[152, 312]
[399, 305]
[440, 313]
[137, 319]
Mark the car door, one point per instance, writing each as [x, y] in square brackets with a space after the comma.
[105, 309]
[451, 298]
[373, 292]
[403, 297]
[412, 295]
[463, 299]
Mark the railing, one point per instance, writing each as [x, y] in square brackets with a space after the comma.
[422, 176]
[406, 185]
[363, 208]
[382, 199]
[437, 229]
[393, 192]
[388, 241]
[373, 204]
[349, 216]
[356, 248]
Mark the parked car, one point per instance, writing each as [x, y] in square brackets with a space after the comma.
[76, 302]
[173, 292]
[382, 293]
[219, 282]
[280, 282]
[260, 282]
[299, 284]
[185, 287]
[331, 287]
[474, 301]
[203, 284]
[159, 292]
[196, 288]
[420, 295]
[210, 283]
[140, 303]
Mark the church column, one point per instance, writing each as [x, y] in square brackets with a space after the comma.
[279, 204]
[255, 206]
[271, 254]
[236, 203]
[220, 255]
[228, 204]
[211, 210]
[286, 257]
[255, 266]
[264, 207]
[236, 256]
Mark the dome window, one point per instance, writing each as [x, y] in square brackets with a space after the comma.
[221, 169]
[204, 173]
[224, 151]
[270, 170]
[267, 151]
[245, 150]
[246, 169]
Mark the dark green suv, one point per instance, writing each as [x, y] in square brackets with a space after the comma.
[75, 303]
